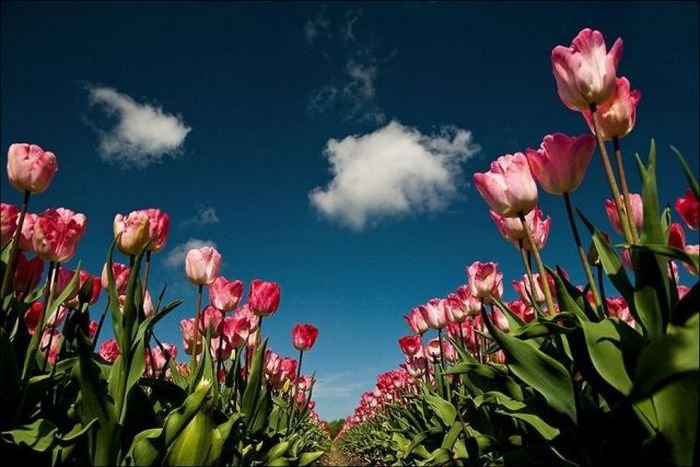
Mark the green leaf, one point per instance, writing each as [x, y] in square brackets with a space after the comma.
[442, 408]
[692, 181]
[309, 457]
[252, 388]
[547, 431]
[677, 411]
[451, 437]
[38, 436]
[687, 306]
[534, 367]
[277, 450]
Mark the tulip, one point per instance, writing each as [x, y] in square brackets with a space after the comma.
[585, 72]
[618, 308]
[92, 329]
[455, 310]
[225, 295]
[410, 345]
[618, 115]
[8, 221]
[63, 278]
[121, 277]
[50, 345]
[304, 336]
[109, 350]
[158, 226]
[676, 238]
[202, 265]
[508, 187]
[682, 291]
[637, 212]
[500, 320]
[499, 357]
[235, 330]
[32, 316]
[471, 303]
[264, 297]
[147, 304]
[688, 207]
[131, 232]
[85, 280]
[28, 273]
[522, 287]
[484, 280]
[305, 382]
[187, 327]
[27, 233]
[30, 168]
[57, 233]
[434, 313]
[522, 310]
[287, 371]
[416, 321]
[560, 163]
[157, 358]
[245, 312]
[416, 366]
[210, 320]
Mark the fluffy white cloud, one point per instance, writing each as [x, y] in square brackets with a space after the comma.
[176, 256]
[205, 216]
[392, 171]
[142, 134]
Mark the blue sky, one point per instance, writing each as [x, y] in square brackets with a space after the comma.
[227, 115]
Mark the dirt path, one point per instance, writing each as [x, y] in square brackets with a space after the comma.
[337, 457]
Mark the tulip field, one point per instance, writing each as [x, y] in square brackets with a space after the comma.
[605, 372]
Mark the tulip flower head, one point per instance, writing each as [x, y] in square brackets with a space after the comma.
[560, 163]
[485, 281]
[618, 115]
[57, 233]
[131, 232]
[637, 212]
[210, 320]
[158, 226]
[224, 294]
[30, 168]
[416, 321]
[585, 72]
[264, 297]
[304, 336]
[121, 277]
[202, 265]
[26, 236]
[28, 273]
[508, 187]
[8, 221]
[109, 350]
[410, 345]
[688, 207]
[434, 313]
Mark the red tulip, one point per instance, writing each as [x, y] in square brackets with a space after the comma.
[28, 273]
[619, 114]
[304, 336]
[676, 238]
[410, 345]
[236, 330]
[617, 307]
[121, 277]
[109, 350]
[131, 232]
[484, 280]
[416, 321]
[225, 295]
[27, 234]
[560, 163]
[253, 320]
[688, 207]
[158, 226]
[586, 71]
[434, 313]
[202, 265]
[522, 310]
[264, 297]
[508, 187]
[73, 300]
[637, 212]
[57, 233]
[30, 168]
[32, 315]
[8, 221]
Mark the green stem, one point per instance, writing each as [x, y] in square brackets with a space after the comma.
[146, 271]
[10, 271]
[538, 260]
[582, 253]
[625, 189]
[624, 221]
[196, 331]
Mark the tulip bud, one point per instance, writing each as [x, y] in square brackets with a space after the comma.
[416, 321]
[304, 336]
[121, 277]
[202, 265]
[484, 280]
[30, 168]
[210, 320]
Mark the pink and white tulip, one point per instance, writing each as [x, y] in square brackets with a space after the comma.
[508, 187]
[224, 294]
[618, 115]
[131, 232]
[57, 233]
[637, 212]
[30, 168]
[560, 163]
[202, 265]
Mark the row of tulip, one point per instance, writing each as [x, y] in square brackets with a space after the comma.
[563, 374]
[235, 401]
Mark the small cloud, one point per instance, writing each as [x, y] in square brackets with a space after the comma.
[346, 31]
[316, 26]
[392, 171]
[337, 385]
[176, 256]
[205, 216]
[143, 134]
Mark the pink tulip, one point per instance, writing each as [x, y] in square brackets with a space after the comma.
[410, 345]
[271, 363]
[30, 168]
[109, 350]
[225, 295]
[159, 358]
[305, 382]
[676, 238]
[304, 336]
[682, 291]
[253, 319]
[637, 211]
[121, 277]
[499, 357]
[158, 226]
[499, 320]
[50, 345]
[455, 310]
[523, 289]
[586, 72]
[560, 163]
[617, 116]
[63, 279]
[32, 315]
[8, 221]
[688, 207]
[508, 187]
[434, 313]
[57, 233]
[220, 349]
[618, 308]
[92, 329]
[187, 329]
[484, 280]
[416, 321]
[236, 330]
[470, 302]
[27, 234]
[28, 273]
[131, 232]
[147, 304]
[73, 300]
[202, 265]
[511, 228]
[264, 297]
[416, 366]
[287, 371]
[522, 310]
[210, 319]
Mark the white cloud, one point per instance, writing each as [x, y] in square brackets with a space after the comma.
[143, 133]
[205, 216]
[315, 26]
[361, 84]
[392, 171]
[176, 256]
